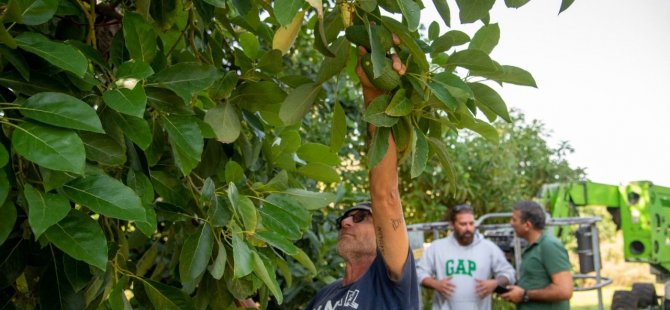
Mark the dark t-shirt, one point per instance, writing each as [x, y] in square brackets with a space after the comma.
[375, 290]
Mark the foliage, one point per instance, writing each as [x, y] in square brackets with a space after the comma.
[163, 148]
[492, 177]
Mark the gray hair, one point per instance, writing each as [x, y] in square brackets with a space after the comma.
[531, 212]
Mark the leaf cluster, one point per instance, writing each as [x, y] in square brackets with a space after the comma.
[176, 148]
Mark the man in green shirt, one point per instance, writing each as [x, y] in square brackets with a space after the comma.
[545, 279]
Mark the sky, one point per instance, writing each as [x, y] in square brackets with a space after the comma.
[603, 73]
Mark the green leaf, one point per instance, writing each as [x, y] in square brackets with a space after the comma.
[44, 209]
[278, 183]
[486, 38]
[127, 101]
[52, 179]
[186, 78]
[134, 69]
[515, 4]
[117, 298]
[167, 297]
[4, 186]
[243, 264]
[4, 156]
[62, 110]
[399, 105]
[30, 12]
[80, 237]
[15, 58]
[293, 207]
[218, 266]
[53, 148]
[186, 141]
[379, 146]
[443, 9]
[140, 37]
[195, 254]
[473, 10]
[448, 40]
[304, 260]
[472, 60]
[439, 90]
[58, 54]
[103, 149]
[78, 273]
[135, 128]
[7, 220]
[219, 3]
[411, 13]
[565, 4]
[419, 153]
[318, 153]
[167, 101]
[433, 31]
[271, 62]
[247, 211]
[278, 241]
[285, 10]
[276, 219]
[407, 40]
[249, 44]
[334, 65]
[485, 129]
[107, 196]
[7, 39]
[224, 86]
[375, 113]
[270, 281]
[440, 149]
[233, 172]
[377, 51]
[338, 130]
[454, 85]
[38, 83]
[225, 122]
[298, 102]
[320, 172]
[510, 74]
[491, 99]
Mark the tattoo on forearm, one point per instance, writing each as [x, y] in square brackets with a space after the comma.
[396, 223]
[380, 239]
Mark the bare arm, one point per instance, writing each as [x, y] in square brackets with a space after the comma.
[390, 228]
[559, 289]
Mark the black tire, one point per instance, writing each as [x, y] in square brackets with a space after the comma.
[646, 294]
[624, 300]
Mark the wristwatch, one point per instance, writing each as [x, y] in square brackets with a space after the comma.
[525, 296]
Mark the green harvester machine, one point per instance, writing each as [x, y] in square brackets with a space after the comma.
[642, 211]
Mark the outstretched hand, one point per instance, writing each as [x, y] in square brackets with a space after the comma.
[369, 90]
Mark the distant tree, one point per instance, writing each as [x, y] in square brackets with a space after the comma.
[491, 177]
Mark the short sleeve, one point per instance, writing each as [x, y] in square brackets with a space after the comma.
[555, 257]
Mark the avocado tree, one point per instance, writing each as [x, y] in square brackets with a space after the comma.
[156, 153]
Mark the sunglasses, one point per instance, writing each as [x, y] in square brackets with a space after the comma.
[357, 217]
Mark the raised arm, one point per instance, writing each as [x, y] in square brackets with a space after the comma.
[390, 228]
